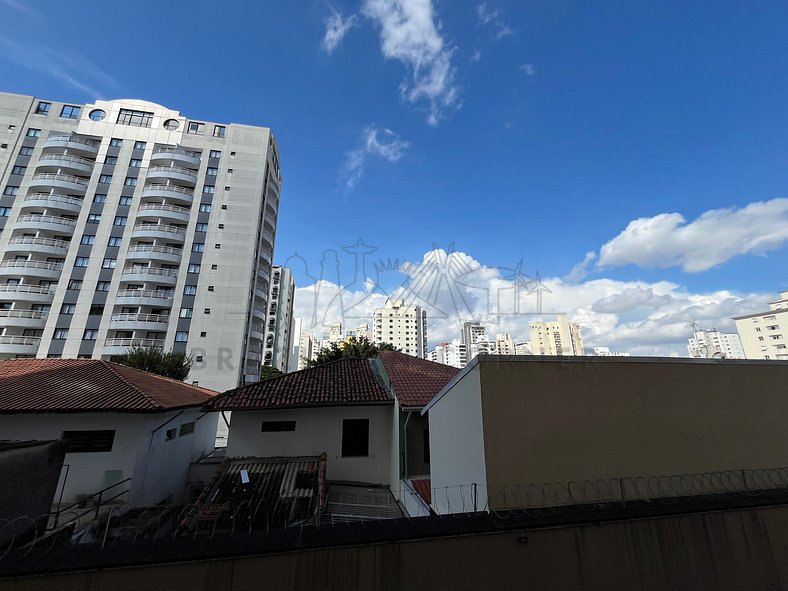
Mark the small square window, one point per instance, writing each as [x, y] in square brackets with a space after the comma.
[88, 239]
[224, 206]
[215, 154]
[210, 288]
[170, 434]
[135, 163]
[232, 153]
[217, 246]
[195, 128]
[120, 220]
[102, 286]
[43, 108]
[201, 227]
[206, 311]
[105, 178]
[219, 130]
[186, 429]
[139, 145]
[25, 151]
[100, 198]
[125, 201]
[230, 170]
[81, 261]
[193, 268]
[227, 188]
[114, 241]
[198, 359]
[11, 190]
[214, 267]
[90, 334]
[130, 181]
[181, 336]
[211, 171]
[94, 218]
[189, 290]
[68, 309]
[32, 132]
[198, 247]
[205, 208]
[111, 160]
[185, 313]
[208, 189]
[221, 226]
[70, 112]
[60, 334]
[19, 169]
[203, 334]
[109, 263]
[116, 142]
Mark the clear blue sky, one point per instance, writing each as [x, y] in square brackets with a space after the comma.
[556, 124]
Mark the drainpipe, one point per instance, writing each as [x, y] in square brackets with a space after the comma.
[150, 446]
[405, 439]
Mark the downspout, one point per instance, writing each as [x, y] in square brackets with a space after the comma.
[150, 445]
[405, 439]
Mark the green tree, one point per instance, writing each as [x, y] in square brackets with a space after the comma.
[152, 359]
[267, 372]
[352, 348]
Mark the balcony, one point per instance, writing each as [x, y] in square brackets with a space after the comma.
[65, 162]
[72, 143]
[23, 318]
[144, 252]
[121, 346]
[150, 275]
[160, 210]
[162, 231]
[169, 192]
[259, 312]
[157, 322]
[162, 155]
[36, 221]
[254, 354]
[172, 173]
[26, 293]
[34, 244]
[54, 201]
[144, 297]
[18, 345]
[257, 331]
[47, 180]
[33, 268]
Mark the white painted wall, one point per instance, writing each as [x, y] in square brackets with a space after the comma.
[394, 462]
[457, 447]
[318, 430]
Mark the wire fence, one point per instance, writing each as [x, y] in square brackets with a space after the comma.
[120, 525]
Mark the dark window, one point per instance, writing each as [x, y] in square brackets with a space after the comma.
[170, 434]
[426, 444]
[88, 441]
[187, 428]
[135, 118]
[277, 426]
[42, 108]
[355, 437]
[70, 112]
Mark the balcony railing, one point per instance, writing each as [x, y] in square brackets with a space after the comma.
[163, 207]
[158, 343]
[32, 240]
[171, 188]
[175, 169]
[150, 271]
[149, 249]
[30, 314]
[37, 289]
[47, 219]
[67, 158]
[54, 176]
[177, 152]
[144, 293]
[74, 139]
[160, 228]
[32, 265]
[20, 340]
[55, 197]
[123, 317]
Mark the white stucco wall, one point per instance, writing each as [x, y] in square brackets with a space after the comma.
[318, 430]
[457, 447]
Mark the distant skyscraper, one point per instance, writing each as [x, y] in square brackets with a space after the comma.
[471, 332]
[559, 337]
[504, 344]
[449, 354]
[308, 348]
[295, 349]
[403, 326]
[278, 329]
[364, 332]
[335, 334]
[523, 348]
[713, 344]
[765, 335]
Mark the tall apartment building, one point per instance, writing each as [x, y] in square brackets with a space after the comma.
[471, 332]
[334, 334]
[126, 223]
[295, 348]
[308, 348]
[449, 354]
[279, 328]
[403, 326]
[765, 335]
[713, 344]
[504, 344]
[362, 332]
[558, 337]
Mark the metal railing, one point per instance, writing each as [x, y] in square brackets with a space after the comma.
[157, 343]
[169, 188]
[55, 198]
[66, 158]
[162, 207]
[73, 139]
[175, 169]
[54, 176]
[160, 228]
[144, 293]
[37, 289]
[32, 265]
[29, 314]
[31, 240]
[147, 249]
[20, 340]
[46, 219]
[150, 271]
[177, 152]
[132, 317]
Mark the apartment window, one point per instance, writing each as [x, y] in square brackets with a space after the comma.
[196, 128]
[81, 262]
[111, 160]
[186, 313]
[198, 247]
[88, 239]
[278, 426]
[211, 171]
[11, 190]
[4, 211]
[120, 220]
[89, 334]
[33, 132]
[221, 226]
[139, 145]
[130, 181]
[70, 112]
[96, 309]
[193, 268]
[105, 178]
[109, 263]
[68, 308]
[100, 198]
[210, 288]
[201, 228]
[60, 334]
[43, 108]
[186, 429]
[355, 438]
[170, 434]
[125, 201]
[203, 334]
[135, 118]
[181, 336]
[135, 163]
[206, 311]
[217, 246]
[102, 286]
[215, 154]
[19, 169]
[25, 151]
[224, 206]
[114, 241]
[205, 208]
[219, 130]
[209, 190]
[189, 290]
[94, 218]
[227, 188]
[214, 267]
[116, 142]
[230, 171]
[75, 284]
[88, 441]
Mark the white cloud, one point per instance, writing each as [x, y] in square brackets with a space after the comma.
[375, 141]
[638, 317]
[336, 28]
[494, 18]
[409, 34]
[476, 56]
[718, 235]
[529, 69]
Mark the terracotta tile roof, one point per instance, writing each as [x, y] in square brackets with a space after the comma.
[80, 385]
[343, 382]
[415, 381]
[422, 488]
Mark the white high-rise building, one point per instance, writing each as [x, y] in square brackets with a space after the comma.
[765, 335]
[308, 348]
[295, 349]
[449, 354]
[523, 348]
[559, 337]
[504, 344]
[403, 326]
[278, 329]
[334, 334]
[363, 331]
[474, 337]
[126, 223]
[713, 344]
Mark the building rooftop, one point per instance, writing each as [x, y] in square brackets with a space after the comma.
[89, 385]
[415, 381]
[338, 383]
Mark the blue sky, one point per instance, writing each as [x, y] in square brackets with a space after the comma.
[503, 130]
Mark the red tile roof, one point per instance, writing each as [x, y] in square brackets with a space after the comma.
[422, 488]
[82, 385]
[342, 382]
[415, 381]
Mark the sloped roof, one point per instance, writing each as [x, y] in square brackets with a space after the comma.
[339, 383]
[415, 381]
[85, 385]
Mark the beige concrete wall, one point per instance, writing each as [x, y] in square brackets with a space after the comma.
[554, 420]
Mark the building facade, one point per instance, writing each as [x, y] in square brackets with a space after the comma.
[126, 223]
[308, 348]
[765, 335]
[403, 326]
[713, 344]
[453, 354]
[279, 328]
[558, 337]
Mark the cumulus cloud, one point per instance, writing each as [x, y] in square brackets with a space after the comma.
[410, 35]
[642, 318]
[718, 235]
[493, 18]
[336, 28]
[375, 142]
